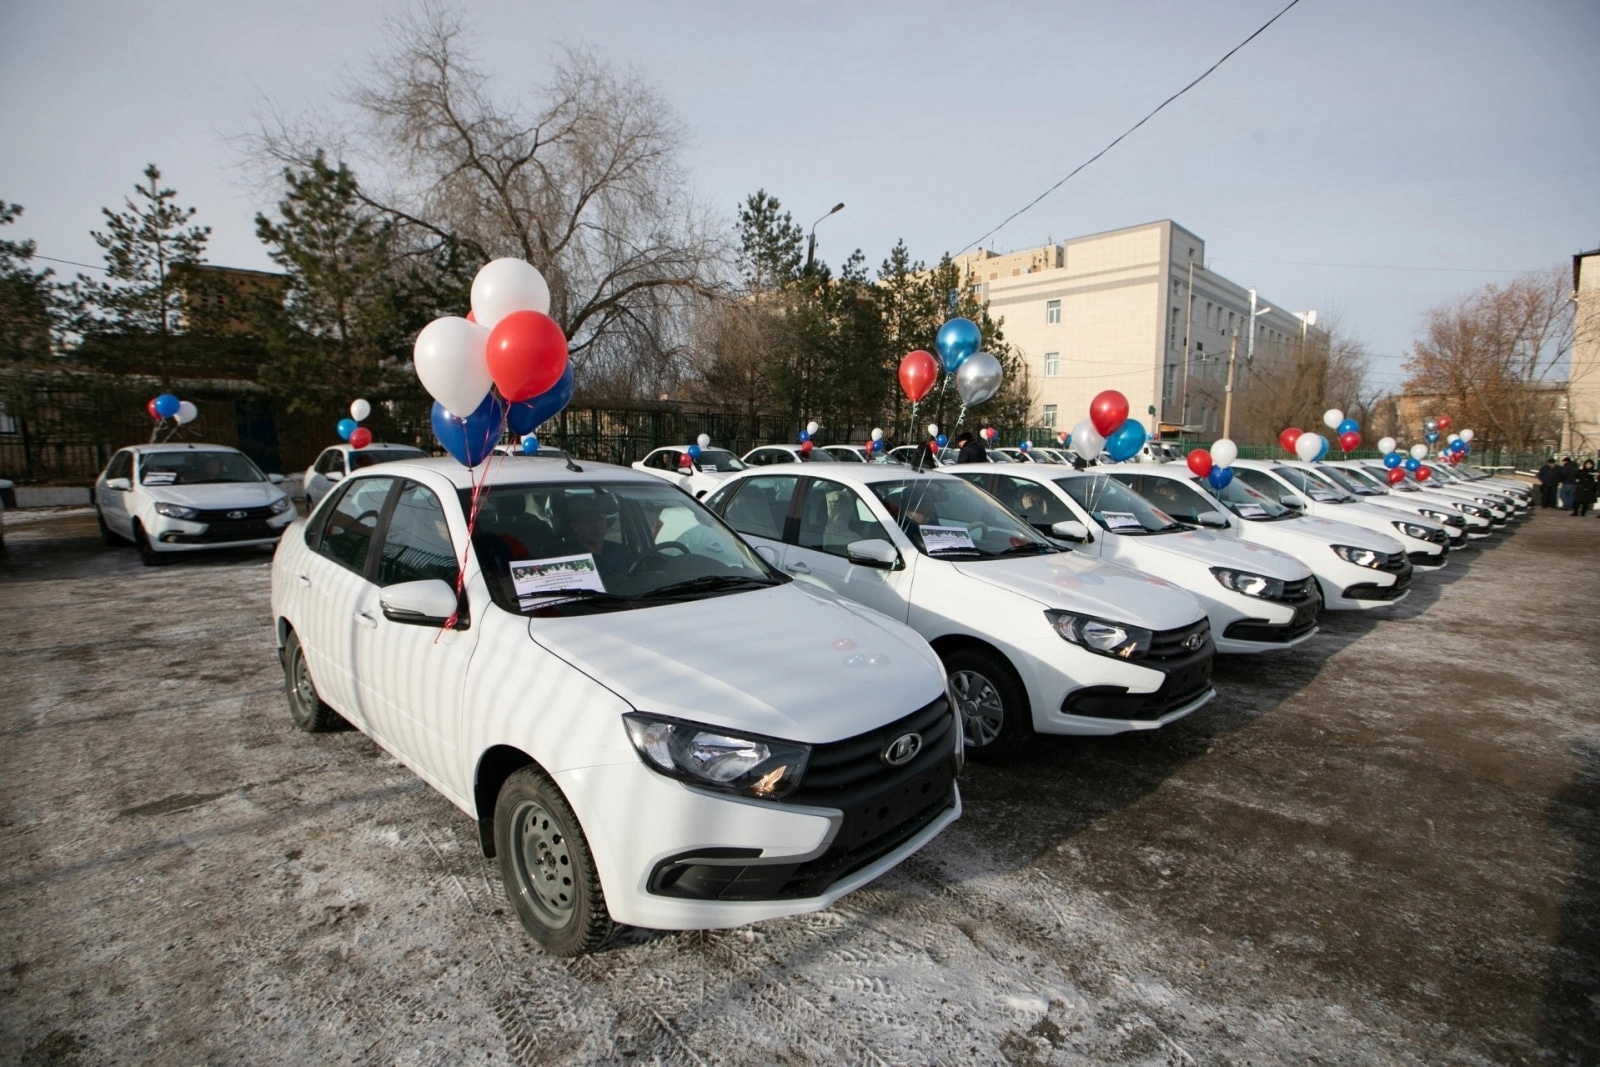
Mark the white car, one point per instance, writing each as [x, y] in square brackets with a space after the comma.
[175, 498]
[699, 478]
[859, 454]
[1036, 639]
[767, 455]
[337, 461]
[1519, 490]
[1302, 486]
[577, 698]
[1355, 567]
[1517, 498]
[1474, 520]
[1258, 599]
[1496, 510]
[1032, 455]
[1370, 490]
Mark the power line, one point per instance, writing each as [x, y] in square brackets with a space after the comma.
[69, 262]
[1262, 29]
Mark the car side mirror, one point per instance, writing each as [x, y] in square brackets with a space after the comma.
[1214, 519]
[768, 553]
[275, 479]
[119, 483]
[874, 552]
[1070, 530]
[429, 602]
[334, 476]
[1292, 502]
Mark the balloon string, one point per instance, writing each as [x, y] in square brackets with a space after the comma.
[479, 486]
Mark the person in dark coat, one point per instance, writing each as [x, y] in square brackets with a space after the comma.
[972, 449]
[927, 459]
[1583, 489]
[1549, 478]
[1569, 474]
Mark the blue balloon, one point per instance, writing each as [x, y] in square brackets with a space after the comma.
[346, 427]
[804, 435]
[526, 416]
[167, 405]
[877, 446]
[1393, 460]
[694, 451]
[1412, 463]
[942, 440]
[1432, 436]
[472, 439]
[530, 445]
[1126, 440]
[1458, 445]
[1023, 446]
[1323, 451]
[956, 340]
[1349, 426]
[1219, 477]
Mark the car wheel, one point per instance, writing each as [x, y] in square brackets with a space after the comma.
[989, 698]
[547, 868]
[147, 552]
[305, 707]
[106, 536]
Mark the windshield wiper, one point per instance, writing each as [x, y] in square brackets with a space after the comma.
[711, 583]
[1030, 548]
[551, 598]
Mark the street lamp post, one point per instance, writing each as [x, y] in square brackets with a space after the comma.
[811, 241]
[1250, 353]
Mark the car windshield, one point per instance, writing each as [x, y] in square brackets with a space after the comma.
[581, 548]
[719, 460]
[1313, 484]
[845, 455]
[950, 518]
[367, 457]
[818, 455]
[1117, 508]
[1245, 502]
[1347, 481]
[198, 468]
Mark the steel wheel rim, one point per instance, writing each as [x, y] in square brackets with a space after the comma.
[546, 877]
[305, 694]
[983, 713]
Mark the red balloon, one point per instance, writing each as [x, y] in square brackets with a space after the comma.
[1108, 410]
[1350, 441]
[918, 372]
[527, 354]
[360, 437]
[1200, 462]
[1444, 422]
[151, 408]
[684, 460]
[805, 448]
[1288, 437]
[1396, 475]
[1423, 473]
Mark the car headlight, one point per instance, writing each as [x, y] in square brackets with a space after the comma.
[1411, 529]
[176, 511]
[1473, 509]
[1439, 516]
[1361, 557]
[280, 505]
[1257, 585]
[1099, 635]
[716, 759]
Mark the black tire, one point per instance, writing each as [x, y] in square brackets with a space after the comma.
[147, 552]
[106, 536]
[547, 867]
[995, 718]
[305, 706]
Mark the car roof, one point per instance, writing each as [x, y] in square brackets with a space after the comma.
[855, 473]
[510, 474]
[348, 447]
[186, 446]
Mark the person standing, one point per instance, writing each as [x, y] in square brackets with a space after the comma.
[1569, 474]
[1583, 489]
[972, 449]
[1549, 478]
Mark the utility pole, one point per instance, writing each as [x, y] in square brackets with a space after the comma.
[1227, 393]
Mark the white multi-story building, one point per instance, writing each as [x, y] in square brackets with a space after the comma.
[1107, 311]
[1581, 429]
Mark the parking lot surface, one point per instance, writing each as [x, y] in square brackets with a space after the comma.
[1380, 847]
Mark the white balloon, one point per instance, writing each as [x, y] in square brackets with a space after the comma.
[1466, 435]
[812, 427]
[452, 361]
[187, 413]
[1309, 445]
[1333, 417]
[1453, 438]
[360, 409]
[933, 429]
[506, 285]
[1224, 452]
[877, 434]
[1386, 445]
[1086, 440]
[1419, 451]
[704, 440]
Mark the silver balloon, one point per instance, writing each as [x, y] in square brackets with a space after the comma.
[1430, 424]
[978, 378]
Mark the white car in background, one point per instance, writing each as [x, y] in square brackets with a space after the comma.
[170, 499]
[1497, 511]
[1036, 639]
[577, 698]
[1370, 490]
[698, 478]
[1519, 490]
[1355, 568]
[1258, 599]
[767, 455]
[1518, 497]
[1475, 520]
[1302, 486]
[337, 461]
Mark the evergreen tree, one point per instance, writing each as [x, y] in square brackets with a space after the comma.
[27, 298]
[770, 244]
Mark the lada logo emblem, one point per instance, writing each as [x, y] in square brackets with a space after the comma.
[902, 749]
[1194, 641]
[236, 514]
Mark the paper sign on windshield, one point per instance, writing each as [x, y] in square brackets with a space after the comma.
[160, 477]
[536, 579]
[945, 538]
[711, 467]
[1323, 495]
[1121, 520]
[1251, 511]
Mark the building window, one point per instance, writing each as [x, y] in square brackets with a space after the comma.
[1048, 419]
[1052, 312]
[1052, 364]
[1169, 390]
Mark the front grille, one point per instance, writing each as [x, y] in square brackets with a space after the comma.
[233, 514]
[221, 533]
[1168, 646]
[1293, 592]
[1427, 559]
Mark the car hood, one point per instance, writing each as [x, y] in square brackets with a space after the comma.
[1229, 552]
[1328, 531]
[215, 497]
[1078, 583]
[786, 661]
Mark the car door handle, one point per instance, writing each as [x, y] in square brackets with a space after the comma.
[798, 568]
[367, 619]
[303, 579]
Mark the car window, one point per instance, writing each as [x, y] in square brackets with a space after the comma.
[948, 516]
[198, 468]
[758, 506]
[1245, 502]
[833, 515]
[345, 536]
[1261, 482]
[367, 457]
[1117, 507]
[417, 543]
[1309, 484]
[121, 466]
[664, 460]
[721, 461]
[330, 461]
[766, 457]
[1346, 481]
[1032, 501]
[1168, 494]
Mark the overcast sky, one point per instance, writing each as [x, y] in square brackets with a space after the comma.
[1369, 157]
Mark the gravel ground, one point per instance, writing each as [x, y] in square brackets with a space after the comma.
[1378, 848]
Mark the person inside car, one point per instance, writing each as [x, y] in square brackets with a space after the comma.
[586, 522]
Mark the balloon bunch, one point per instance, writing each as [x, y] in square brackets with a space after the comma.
[1216, 464]
[351, 430]
[1108, 429]
[1399, 463]
[977, 374]
[1456, 447]
[167, 406]
[1432, 427]
[509, 343]
[805, 437]
[691, 455]
[1024, 446]
[1307, 446]
[989, 434]
[1347, 431]
[875, 443]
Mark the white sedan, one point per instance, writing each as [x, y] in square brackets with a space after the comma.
[562, 676]
[699, 475]
[336, 462]
[175, 498]
[1474, 521]
[1036, 639]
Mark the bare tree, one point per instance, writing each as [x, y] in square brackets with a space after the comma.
[584, 184]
